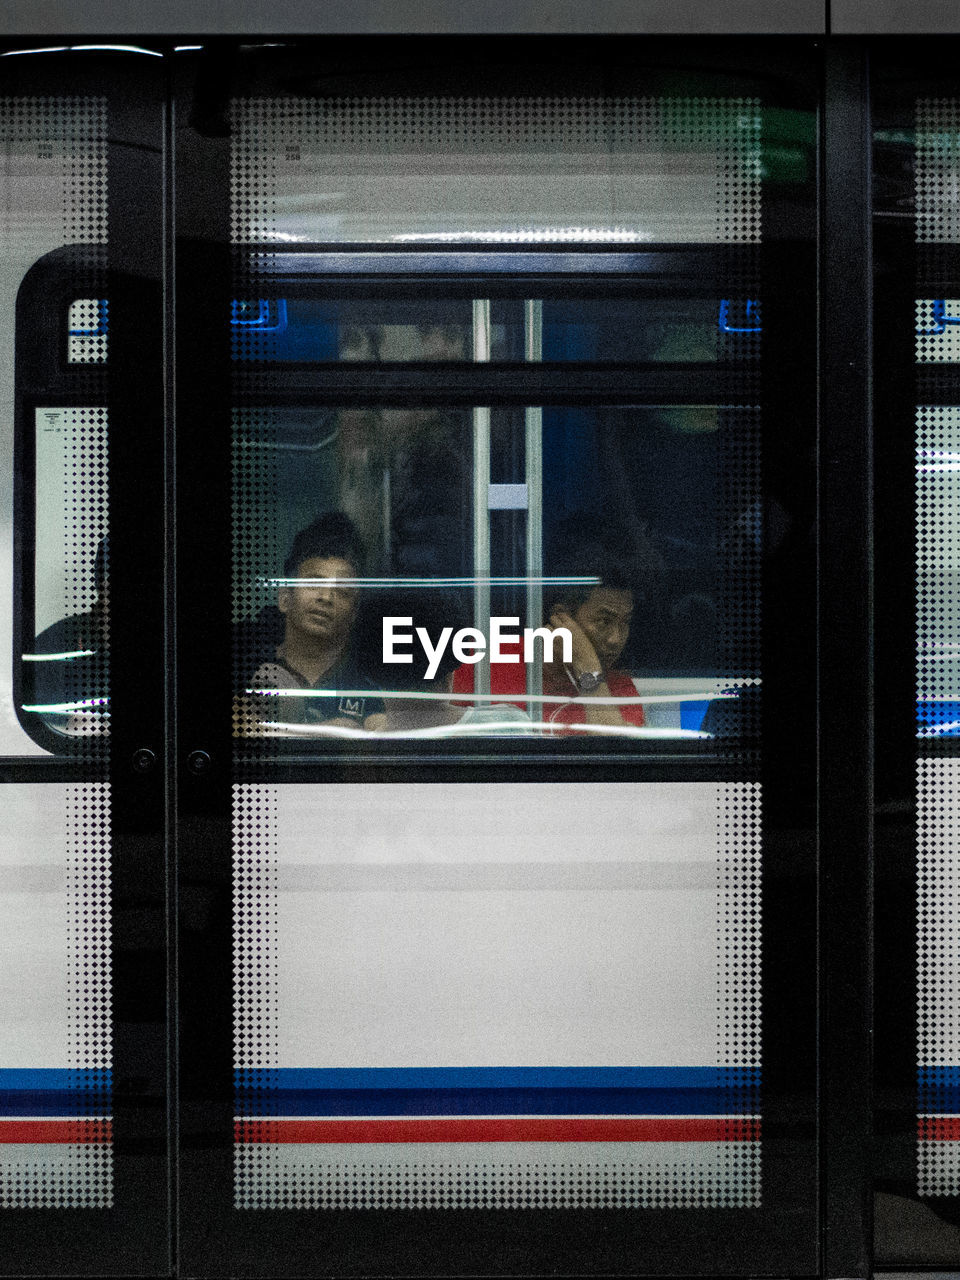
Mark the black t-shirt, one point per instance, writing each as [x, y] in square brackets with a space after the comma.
[345, 692]
[342, 693]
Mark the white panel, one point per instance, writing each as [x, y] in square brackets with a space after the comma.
[496, 170]
[510, 926]
[55, 982]
[502, 1175]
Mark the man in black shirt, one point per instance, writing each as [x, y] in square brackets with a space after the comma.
[310, 677]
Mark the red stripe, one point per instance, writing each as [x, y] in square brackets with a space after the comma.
[73, 1131]
[938, 1128]
[504, 1129]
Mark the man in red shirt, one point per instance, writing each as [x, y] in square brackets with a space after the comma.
[598, 619]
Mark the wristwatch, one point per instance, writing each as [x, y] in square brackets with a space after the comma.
[588, 681]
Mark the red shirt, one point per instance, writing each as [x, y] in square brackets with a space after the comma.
[509, 681]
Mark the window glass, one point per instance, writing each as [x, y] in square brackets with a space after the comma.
[511, 170]
[528, 548]
[65, 676]
[628, 330]
[87, 331]
[632, 532]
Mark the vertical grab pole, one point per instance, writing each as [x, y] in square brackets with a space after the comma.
[533, 421]
[481, 499]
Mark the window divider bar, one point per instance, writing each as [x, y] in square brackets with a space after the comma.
[533, 455]
[845, 668]
[481, 498]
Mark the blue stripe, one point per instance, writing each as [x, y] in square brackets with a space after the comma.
[938, 1090]
[381, 1078]
[53, 1091]
[60, 1078]
[486, 1102]
[49, 1102]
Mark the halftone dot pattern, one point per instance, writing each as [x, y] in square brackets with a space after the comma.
[57, 147]
[484, 1176]
[88, 888]
[255, 944]
[937, 165]
[937, 567]
[85, 527]
[258, 553]
[87, 331]
[937, 333]
[517, 171]
[721, 1172]
[938, 976]
[739, 562]
[69, 135]
[738, 987]
[511, 170]
[938, 667]
[75, 1168]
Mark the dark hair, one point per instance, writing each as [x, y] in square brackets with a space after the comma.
[584, 549]
[331, 535]
[431, 608]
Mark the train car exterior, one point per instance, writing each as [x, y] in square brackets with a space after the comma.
[478, 683]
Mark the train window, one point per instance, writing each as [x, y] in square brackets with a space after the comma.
[65, 681]
[627, 330]
[636, 513]
[938, 566]
[87, 331]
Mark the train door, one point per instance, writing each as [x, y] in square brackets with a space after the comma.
[83, 1052]
[917, 284]
[502, 961]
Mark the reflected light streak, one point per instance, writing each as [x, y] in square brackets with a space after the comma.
[86, 704]
[114, 48]
[456, 698]
[936, 730]
[84, 48]
[542, 235]
[586, 581]
[58, 657]
[507, 728]
[16, 53]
